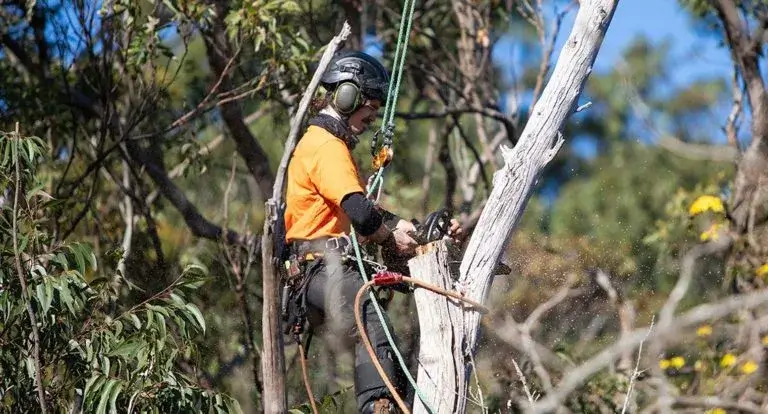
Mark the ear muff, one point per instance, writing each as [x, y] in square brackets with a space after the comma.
[346, 98]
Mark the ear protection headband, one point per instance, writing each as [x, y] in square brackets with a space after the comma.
[346, 97]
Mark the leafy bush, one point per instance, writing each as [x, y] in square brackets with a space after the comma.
[96, 353]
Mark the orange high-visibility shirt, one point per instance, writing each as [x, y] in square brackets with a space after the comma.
[320, 174]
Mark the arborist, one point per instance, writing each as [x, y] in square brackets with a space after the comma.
[325, 199]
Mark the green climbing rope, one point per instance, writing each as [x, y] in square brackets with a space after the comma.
[387, 127]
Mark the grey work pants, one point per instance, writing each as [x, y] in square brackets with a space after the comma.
[331, 292]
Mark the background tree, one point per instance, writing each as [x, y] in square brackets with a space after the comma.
[152, 114]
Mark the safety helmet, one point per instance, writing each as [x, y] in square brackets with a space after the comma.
[352, 74]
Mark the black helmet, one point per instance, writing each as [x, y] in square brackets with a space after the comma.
[361, 69]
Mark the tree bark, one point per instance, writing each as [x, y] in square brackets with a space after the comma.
[441, 368]
[512, 186]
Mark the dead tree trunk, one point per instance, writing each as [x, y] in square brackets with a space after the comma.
[273, 363]
[449, 331]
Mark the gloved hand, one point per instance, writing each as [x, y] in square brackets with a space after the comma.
[401, 243]
[455, 232]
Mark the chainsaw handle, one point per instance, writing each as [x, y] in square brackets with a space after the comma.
[435, 226]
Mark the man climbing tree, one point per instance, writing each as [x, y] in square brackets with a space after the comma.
[325, 198]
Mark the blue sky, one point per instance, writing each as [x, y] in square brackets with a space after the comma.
[696, 55]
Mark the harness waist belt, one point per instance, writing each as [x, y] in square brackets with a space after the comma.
[321, 245]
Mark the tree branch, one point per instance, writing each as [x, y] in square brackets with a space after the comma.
[219, 51]
[444, 155]
[487, 112]
[715, 402]
[23, 281]
[746, 53]
[707, 312]
[273, 362]
[198, 224]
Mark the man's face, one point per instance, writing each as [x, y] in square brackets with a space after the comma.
[361, 119]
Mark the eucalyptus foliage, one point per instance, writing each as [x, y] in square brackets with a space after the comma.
[97, 353]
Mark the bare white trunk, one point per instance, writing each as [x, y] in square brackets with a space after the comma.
[441, 368]
[448, 331]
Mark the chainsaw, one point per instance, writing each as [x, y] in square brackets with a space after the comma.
[434, 228]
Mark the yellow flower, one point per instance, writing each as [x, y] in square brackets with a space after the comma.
[728, 360]
[762, 270]
[677, 362]
[704, 330]
[749, 367]
[664, 364]
[711, 233]
[715, 411]
[765, 340]
[706, 203]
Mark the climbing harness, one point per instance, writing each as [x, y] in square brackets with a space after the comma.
[434, 228]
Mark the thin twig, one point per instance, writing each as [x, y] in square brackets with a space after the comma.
[532, 319]
[524, 382]
[480, 397]
[731, 127]
[20, 272]
[239, 271]
[636, 373]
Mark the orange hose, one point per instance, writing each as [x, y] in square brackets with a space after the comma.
[369, 348]
[306, 377]
[367, 342]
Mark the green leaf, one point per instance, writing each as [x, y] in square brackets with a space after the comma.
[66, 297]
[23, 240]
[177, 300]
[42, 298]
[106, 395]
[158, 309]
[141, 359]
[113, 398]
[74, 345]
[132, 401]
[106, 364]
[126, 348]
[136, 321]
[118, 327]
[61, 260]
[38, 270]
[88, 350]
[196, 313]
[79, 258]
[92, 386]
[161, 329]
[150, 318]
